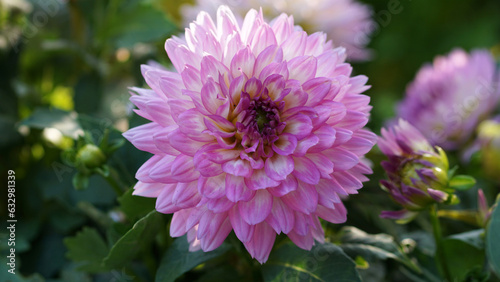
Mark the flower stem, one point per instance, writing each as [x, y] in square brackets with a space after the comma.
[440, 257]
[111, 178]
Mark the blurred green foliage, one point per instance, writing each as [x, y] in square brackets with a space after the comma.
[65, 66]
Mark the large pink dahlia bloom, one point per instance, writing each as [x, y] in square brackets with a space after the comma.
[259, 130]
[348, 23]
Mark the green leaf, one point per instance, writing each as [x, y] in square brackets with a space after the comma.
[464, 260]
[179, 260]
[492, 242]
[65, 122]
[89, 248]
[462, 182]
[324, 262]
[128, 246]
[356, 242]
[135, 206]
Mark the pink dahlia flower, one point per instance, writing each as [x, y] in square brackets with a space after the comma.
[417, 172]
[448, 99]
[258, 130]
[347, 23]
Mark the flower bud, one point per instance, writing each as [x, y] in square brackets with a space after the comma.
[489, 141]
[90, 156]
[417, 172]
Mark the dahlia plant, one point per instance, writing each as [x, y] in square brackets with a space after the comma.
[259, 129]
[347, 23]
[448, 99]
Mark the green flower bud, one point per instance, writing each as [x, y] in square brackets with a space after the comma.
[90, 156]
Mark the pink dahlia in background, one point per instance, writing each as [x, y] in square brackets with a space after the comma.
[347, 23]
[448, 99]
[258, 130]
[417, 172]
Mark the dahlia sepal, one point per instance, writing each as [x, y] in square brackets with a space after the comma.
[462, 182]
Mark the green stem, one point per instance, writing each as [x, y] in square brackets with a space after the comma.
[440, 257]
[111, 179]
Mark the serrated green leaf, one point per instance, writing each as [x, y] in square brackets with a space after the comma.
[356, 242]
[492, 242]
[179, 260]
[135, 206]
[128, 246]
[462, 182]
[88, 247]
[325, 262]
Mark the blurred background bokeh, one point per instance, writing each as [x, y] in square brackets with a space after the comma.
[65, 68]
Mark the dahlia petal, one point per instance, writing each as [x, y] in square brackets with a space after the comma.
[236, 189]
[327, 136]
[139, 136]
[215, 239]
[212, 187]
[278, 167]
[161, 170]
[302, 68]
[304, 242]
[226, 22]
[280, 69]
[219, 205]
[209, 96]
[305, 144]
[285, 145]
[179, 106]
[437, 195]
[342, 159]
[257, 209]
[296, 98]
[348, 182]
[260, 180]
[336, 215]
[160, 113]
[316, 88]
[183, 169]
[178, 223]
[143, 172]
[282, 27]
[262, 242]
[263, 37]
[192, 124]
[342, 135]
[191, 78]
[242, 229]
[323, 164]
[304, 199]
[219, 126]
[306, 170]
[186, 195]
[271, 54]
[302, 223]
[164, 201]
[299, 125]
[281, 218]
[275, 84]
[150, 190]
[211, 68]
[243, 62]
[353, 120]
[178, 141]
[238, 167]
[294, 47]
[286, 186]
[194, 243]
